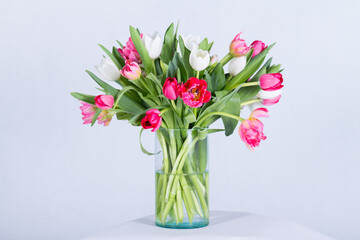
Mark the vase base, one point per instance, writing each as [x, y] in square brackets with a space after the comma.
[184, 225]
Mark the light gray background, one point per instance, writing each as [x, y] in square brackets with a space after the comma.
[62, 180]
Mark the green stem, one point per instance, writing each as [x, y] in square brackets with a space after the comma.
[201, 120]
[250, 102]
[197, 74]
[248, 84]
[226, 59]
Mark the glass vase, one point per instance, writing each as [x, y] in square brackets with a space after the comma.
[181, 178]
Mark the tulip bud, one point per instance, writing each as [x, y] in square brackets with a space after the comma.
[153, 45]
[258, 46]
[108, 70]
[199, 59]
[269, 97]
[191, 42]
[271, 81]
[238, 47]
[170, 88]
[236, 65]
[131, 70]
[214, 59]
[152, 120]
[104, 102]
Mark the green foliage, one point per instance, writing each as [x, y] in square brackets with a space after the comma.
[107, 88]
[168, 49]
[84, 97]
[232, 107]
[144, 55]
[111, 56]
[217, 79]
[118, 57]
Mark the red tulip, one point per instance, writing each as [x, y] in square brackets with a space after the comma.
[194, 93]
[170, 88]
[104, 101]
[152, 120]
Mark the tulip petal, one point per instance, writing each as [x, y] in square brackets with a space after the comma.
[259, 112]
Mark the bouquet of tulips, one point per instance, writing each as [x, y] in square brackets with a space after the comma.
[175, 83]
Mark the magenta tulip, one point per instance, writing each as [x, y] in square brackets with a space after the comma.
[258, 47]
[152, 120]
[271, 81]
[170, 88]
[104, 102]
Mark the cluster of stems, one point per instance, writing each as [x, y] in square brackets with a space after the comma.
[182, 180]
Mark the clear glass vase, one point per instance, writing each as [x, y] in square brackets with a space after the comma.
[182, 178]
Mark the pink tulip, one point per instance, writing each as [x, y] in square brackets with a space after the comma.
[170, 88]
[251, 130]
[104, 101]
[129, 52]
[238, 47]
[272, 101]
[152, 120]
[105, 118]
[88, 112]
[131, 70]
[258, 46]
[271, 81]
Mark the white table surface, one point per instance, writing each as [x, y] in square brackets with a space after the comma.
[223, 226]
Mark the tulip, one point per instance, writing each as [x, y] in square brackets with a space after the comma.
[88, 112]
[105, 118]
[152, 120]
[191, 42]
[269, 97]
[104, 102]
[108, 70]
[131, 70]
[251, 129]
[236, 65]
[258, 46]
[214, 59]
[153, 45]
[170, 88]
[271, 81]
[271, 101]
[199, 59]
[129, 52]
[238, 47]
[194, 93]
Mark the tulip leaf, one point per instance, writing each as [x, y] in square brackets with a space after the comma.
[142, 147]
[204, 44]
[262, 71]
[274, 69]
[185, 54]
[108, 88]
[144, 54]
[119, 44]
[96, 115]
[172, 69]
[247, 93]
[125, 103]
[249, 70]
[84, 97]
[167, 51]
[118, 57]
[181, 66]
[115, 61]
[217, 80]
[232, 107]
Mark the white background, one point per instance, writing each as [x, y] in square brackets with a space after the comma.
[60, 179]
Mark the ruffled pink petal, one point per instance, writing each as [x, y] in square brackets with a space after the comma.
[259, 112]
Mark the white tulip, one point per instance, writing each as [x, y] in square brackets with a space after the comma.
[269, 94]
[108, 70]
[191, 42]
[199, 59]
[153, 44]
[236, 65]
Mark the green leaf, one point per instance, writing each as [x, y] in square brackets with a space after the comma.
[84, 97]
[108, 88]
[136, 120]
[217, 80]
[204, 44]
[167, 51]
[118, 57]
[126, 104]
[96, 115]
[185, 54]
[274, 69]
[247, 93]
[142, 147]
[189, 116]
[119, 44]
[171, 71]
[232, 107]
[181, 66]
[262, 71]
[135, 36]
[115, 61]
[215, 130]
[249, 70]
